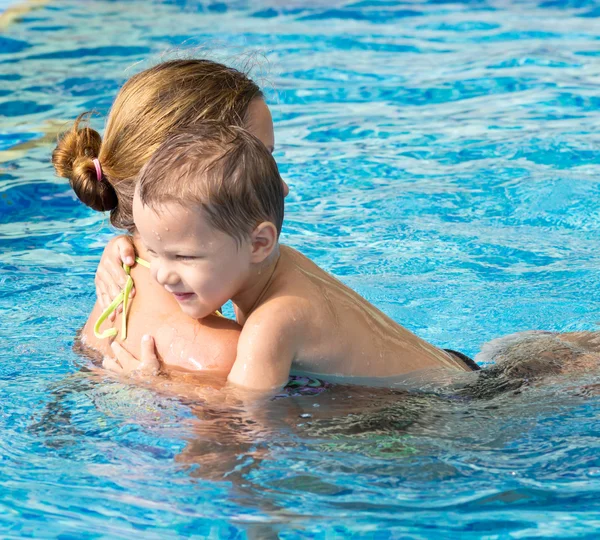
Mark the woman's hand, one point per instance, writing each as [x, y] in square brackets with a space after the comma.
[110, 276]
[127, 364]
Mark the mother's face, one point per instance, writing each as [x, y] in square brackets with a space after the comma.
[260, 124]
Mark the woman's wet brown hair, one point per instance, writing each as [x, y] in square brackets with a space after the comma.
[151, 106]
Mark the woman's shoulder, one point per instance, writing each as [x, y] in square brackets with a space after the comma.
[208, 344]
[182, 342]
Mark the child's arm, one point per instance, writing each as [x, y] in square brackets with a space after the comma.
[127, 364]
[203, 385]
[266, 348]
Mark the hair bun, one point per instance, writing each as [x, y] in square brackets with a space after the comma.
[73, 159]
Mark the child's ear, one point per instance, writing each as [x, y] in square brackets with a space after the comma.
[264, 241]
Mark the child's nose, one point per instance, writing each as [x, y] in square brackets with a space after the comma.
[165, 275]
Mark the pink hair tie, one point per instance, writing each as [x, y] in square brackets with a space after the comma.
[98, 169]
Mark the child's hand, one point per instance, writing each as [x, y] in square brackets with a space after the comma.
[127, 364]
[110, 276]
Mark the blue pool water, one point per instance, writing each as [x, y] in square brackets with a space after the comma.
[443, 161]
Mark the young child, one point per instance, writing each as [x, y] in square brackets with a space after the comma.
[208, 208]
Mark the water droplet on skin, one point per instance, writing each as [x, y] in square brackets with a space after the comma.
[195, 363]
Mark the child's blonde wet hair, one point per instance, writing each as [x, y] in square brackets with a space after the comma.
[151, 106]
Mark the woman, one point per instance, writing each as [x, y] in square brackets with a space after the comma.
[102, 171]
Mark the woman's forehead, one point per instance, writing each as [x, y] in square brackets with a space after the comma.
[260, 123]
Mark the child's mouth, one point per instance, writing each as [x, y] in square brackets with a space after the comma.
[182, 297]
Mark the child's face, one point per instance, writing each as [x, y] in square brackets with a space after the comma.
[199, 265]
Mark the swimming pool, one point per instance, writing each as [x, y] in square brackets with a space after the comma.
[443, 161]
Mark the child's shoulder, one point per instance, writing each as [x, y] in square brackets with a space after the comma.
[281, 311]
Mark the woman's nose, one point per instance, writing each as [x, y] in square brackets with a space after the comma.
[286, 189]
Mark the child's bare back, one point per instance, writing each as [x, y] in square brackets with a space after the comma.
[339, 332]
